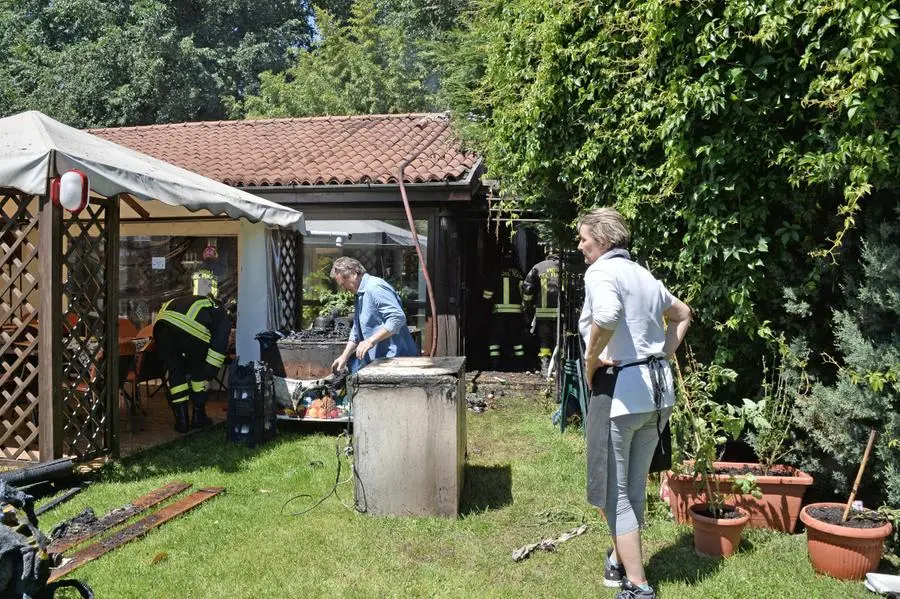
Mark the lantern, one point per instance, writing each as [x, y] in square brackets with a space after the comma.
[70, 191]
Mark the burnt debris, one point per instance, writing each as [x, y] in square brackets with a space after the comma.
[88, 522]
[324, 328]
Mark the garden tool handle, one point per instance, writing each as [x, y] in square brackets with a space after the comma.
[862, 467]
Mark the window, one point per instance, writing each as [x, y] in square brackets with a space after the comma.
[384, 247]
[155, 269]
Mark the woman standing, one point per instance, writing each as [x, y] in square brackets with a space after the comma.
[627, 347]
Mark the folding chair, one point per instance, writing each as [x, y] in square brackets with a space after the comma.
[572, 382]
[222, 376]
[127, 367]
[85, 389]
[128, 361]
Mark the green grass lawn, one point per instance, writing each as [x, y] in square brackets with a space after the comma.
[525, 481]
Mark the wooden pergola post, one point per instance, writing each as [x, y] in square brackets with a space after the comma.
[50, 436]
[444, 254]
[112, 318]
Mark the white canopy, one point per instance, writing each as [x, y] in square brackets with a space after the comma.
[367, 232]
[33, 147]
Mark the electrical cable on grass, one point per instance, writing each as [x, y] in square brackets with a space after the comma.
[321, 500]
[348, 452]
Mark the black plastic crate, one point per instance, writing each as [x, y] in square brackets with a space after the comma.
[251, 404]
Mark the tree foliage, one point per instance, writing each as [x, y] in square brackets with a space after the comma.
[866, 394]
[740, 138]
[369, 65]
[420, 20]
[425, 20]
[127, 62]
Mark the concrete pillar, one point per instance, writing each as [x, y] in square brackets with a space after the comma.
[253, 290]
[409, 436]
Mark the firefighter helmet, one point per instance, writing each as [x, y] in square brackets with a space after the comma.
[210, 252]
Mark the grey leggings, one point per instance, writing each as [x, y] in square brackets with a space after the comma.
[632, 441]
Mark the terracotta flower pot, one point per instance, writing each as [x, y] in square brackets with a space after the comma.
[777, 509]
[717, 537]
[841, 551]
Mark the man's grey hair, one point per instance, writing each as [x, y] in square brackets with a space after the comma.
[607, 227]
[345, 266]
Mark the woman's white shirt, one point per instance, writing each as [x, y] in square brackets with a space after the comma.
[624, 297]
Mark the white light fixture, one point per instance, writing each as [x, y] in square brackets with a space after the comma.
[339, 236]
[70, 191]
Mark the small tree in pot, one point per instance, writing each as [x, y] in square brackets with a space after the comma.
[701, 425]
[864, 397]
[771, 418]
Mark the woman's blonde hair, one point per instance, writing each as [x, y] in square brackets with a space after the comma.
[607, 227]
[345, 266]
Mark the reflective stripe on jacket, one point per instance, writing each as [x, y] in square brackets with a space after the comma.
[202, 318]
[509, 293]
[187, 321]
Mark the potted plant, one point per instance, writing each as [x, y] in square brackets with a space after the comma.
[771, 418]
[701, 425]
[846, 542]
[779, 487]
[323, 299]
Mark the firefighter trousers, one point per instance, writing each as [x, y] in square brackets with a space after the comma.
[507, 346]
[546, 334]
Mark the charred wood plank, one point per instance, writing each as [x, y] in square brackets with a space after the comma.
[119, 515]
[136, 530]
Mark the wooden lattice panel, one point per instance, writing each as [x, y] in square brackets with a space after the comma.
[19, 296]
[85, 417]
[288, 279]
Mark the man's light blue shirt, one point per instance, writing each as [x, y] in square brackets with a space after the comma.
[378, 306]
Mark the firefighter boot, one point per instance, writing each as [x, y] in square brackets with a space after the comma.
[180, 409]
[494, 352]
[200, 419]
[198, 399]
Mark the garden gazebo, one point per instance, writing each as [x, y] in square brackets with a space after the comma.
[59, 278]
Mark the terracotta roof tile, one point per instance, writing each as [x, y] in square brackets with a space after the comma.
[333, 150]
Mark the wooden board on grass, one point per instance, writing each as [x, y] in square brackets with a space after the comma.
[136, 530]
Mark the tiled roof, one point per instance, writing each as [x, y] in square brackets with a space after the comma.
[306, 151]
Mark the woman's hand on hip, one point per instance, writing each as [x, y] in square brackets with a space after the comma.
[592, 369]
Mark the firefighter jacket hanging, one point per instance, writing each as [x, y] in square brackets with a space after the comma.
[540, 293]
[191, 335]
[507, 347]
[204, 282]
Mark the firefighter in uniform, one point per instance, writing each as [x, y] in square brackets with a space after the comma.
[205, 280]
[191, 335]
[540, 294]
[507, 320]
